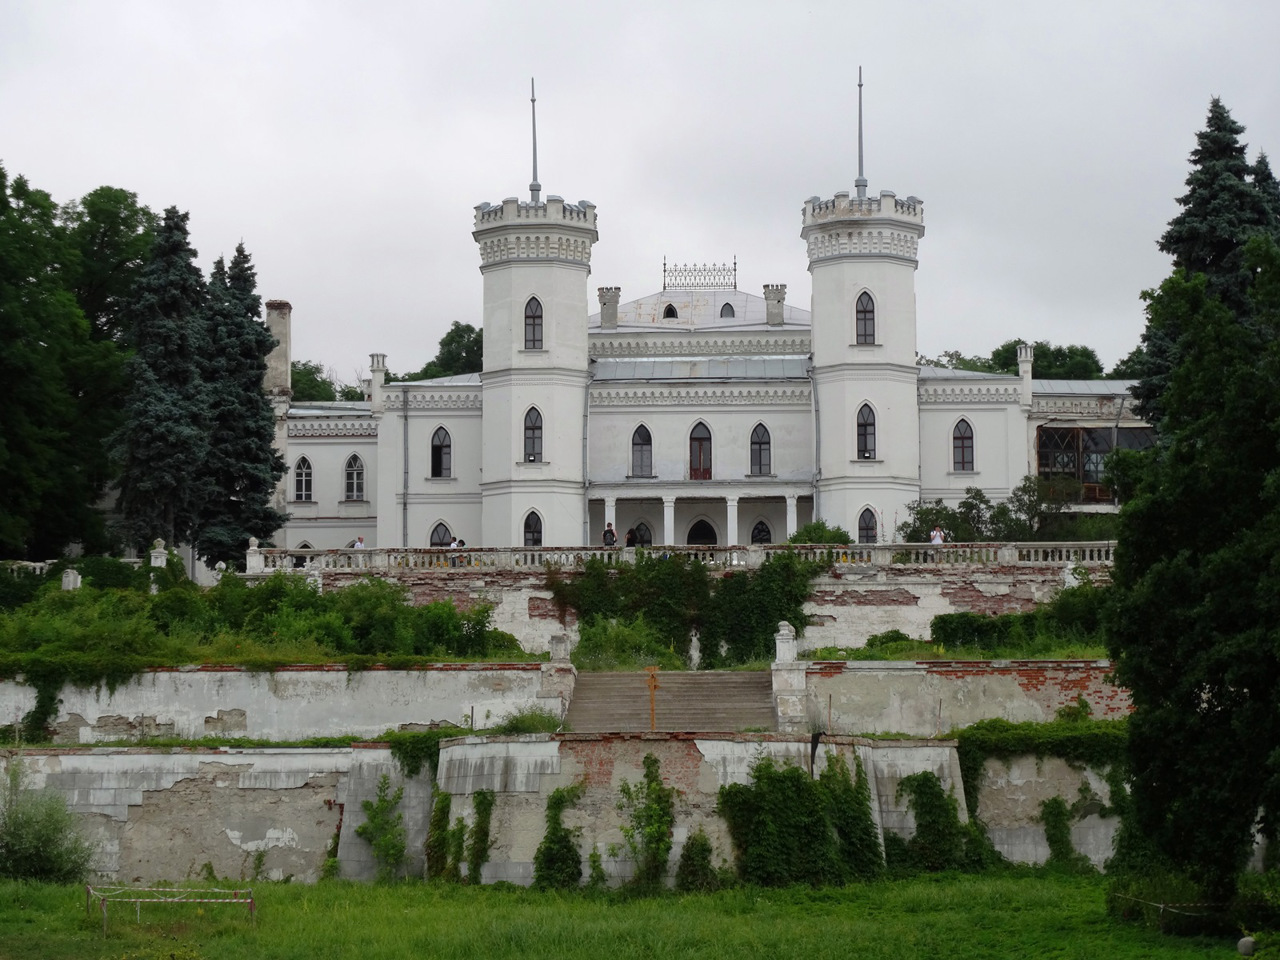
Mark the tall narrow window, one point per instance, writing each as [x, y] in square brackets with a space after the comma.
[644, 536]
[761, 456]
[867, 527]
[866, 433]
[440, 535]
[700, 452]
[962, 447]
[866, 319]
[355, 478]
[302, 480]
[760, 533]
[533, 530]
[642, 452]
[533, 436]
[670, 312]
[726, 312]
[533, 324]
[441, 453]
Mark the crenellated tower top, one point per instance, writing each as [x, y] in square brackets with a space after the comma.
[527, 231]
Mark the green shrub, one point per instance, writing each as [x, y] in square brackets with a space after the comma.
[817, 531]
[39, 837]
[384, 831]
[622, 645]
[848, 802]
[889, 637]
[939, 840]
[528, 720]
[108, 573]
[649, 809]
[557, 863]
[694, 872]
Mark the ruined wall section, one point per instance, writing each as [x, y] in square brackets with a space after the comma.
[294, 703]
[929, 697]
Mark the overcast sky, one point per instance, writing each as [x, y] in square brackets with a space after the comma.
[347, 143]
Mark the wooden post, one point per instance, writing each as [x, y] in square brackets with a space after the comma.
[653, 694]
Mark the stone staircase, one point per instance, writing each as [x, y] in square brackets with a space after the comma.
[709, 701]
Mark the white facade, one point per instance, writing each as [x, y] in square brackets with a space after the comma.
[697, 414]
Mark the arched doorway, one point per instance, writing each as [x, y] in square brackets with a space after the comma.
[702, 534]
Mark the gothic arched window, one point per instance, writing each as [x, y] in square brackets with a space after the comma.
[760, 533]
[866, 433]
[533, 324]
[867, 526]
[726, 312]
[642, 452]
[440, 535]
[866, 319]
[962, 447]
[441, 453]
[761, 454]
[532, 530]
[670, 312]
[533, 436]
[702, 534]
[700, 452]
[355, 478]
[302, 480]
[644, 536]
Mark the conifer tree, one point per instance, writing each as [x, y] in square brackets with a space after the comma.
[243, 466]
[1227, 202]
[164, 442]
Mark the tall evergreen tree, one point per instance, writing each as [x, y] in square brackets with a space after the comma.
[164, 442]
[243, 466]
[53, 467]
[1227, 202]
[1195, 624]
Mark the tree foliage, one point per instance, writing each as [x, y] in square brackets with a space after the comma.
[976, 520]
[1049, 362]
[1193, 628]
[461, 350]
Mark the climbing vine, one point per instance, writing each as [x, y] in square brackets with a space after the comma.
[941, 841]
[557, 863]
[482, 802]
[649, 807]
[383, 829]
[436, 847]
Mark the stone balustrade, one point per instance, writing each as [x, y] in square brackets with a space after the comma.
[264, 561]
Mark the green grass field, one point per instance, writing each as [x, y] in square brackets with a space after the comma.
[953, 917]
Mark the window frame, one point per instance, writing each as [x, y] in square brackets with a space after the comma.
[641, 452]
[866, 432]
[533, 436]
[962, 447]
[441, 454]
[303, 478]
[353, 479]
[727, 312]
[761, 451]
[868, 526]
[756, 537]
[532, 529]
[700, 461]
[864, 322]
[435, 542]
[533, 315]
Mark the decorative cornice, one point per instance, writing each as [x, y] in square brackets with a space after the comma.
[735, 346]
[829, 244]
[700, 396]
[436, 400]
[1099, 407]
[333, 428]
[970, 393]
[525, 247]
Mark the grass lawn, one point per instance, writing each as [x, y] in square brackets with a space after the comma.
[952, 917]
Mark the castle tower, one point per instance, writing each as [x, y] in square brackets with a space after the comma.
[862, 257]
[535, 257]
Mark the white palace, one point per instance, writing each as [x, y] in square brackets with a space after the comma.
[698, 414]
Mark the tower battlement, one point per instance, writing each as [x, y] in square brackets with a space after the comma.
[535, 230]
[850, 226]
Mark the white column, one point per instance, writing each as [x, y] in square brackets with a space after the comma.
[791, 516]
[731, 520]
[669, 520]
[611, 511]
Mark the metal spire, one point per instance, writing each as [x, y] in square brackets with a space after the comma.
[535, 188]
[861, 182]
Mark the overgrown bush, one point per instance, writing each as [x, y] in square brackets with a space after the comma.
[848, 800]
[482, 802]
[40, 838]
[557, 863]
[436, 847]
[694, 872]
[384, 831]
[649, 810]
[528, 720]
[941, 841]
[1074, 615]
[817, 531]
[622, 645]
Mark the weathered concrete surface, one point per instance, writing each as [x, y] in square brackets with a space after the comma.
[929, 697]
[296, 703]
[530, 767]
[1010, 798]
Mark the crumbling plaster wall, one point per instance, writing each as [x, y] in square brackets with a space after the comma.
[928, 698]
[524, 770]
[295, 703]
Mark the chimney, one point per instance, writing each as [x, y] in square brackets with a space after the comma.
[775, 294]
[277, 382]
[1026, 354]
[377, 377]
[609, 307]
